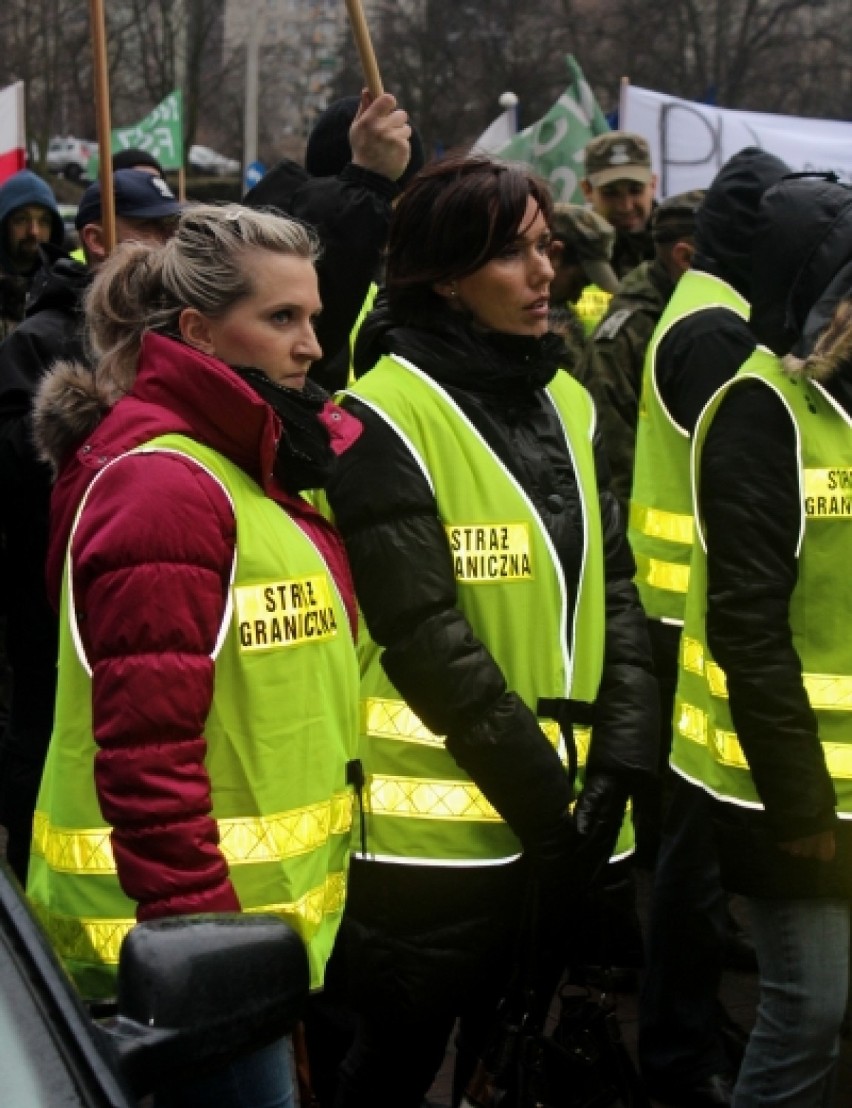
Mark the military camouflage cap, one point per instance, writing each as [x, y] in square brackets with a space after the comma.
[589, 239]
[674, 217]
[617, 156]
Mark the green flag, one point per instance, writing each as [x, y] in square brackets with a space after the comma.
[160, 133]
[553, 146]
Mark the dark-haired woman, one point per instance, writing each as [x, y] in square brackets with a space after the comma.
[495, 584]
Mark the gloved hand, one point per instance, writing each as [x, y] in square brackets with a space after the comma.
[597, 818]
[551, 856]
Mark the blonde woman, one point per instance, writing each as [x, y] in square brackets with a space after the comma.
[207, 693]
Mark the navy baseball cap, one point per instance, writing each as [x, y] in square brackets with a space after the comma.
[138, 195]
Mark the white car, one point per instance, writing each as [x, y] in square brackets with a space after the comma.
[70, 156]
[204, 160]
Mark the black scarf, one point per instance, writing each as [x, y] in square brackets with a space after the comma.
[455, 353]
[304, 456]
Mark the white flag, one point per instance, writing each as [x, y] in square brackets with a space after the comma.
[13, 154]
[497, 133]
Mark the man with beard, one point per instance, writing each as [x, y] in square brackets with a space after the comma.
[29, 216]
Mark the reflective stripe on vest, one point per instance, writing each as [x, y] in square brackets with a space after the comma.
[433, 798]
[660, 527]
[366, 308]
[706, 748]
[284, 647]
[241, 841]
[84, 940]
[422, 807]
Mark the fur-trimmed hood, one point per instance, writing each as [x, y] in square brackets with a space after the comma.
[71, 401]
[831, 358]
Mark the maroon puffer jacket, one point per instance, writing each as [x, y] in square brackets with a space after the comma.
[152, 557]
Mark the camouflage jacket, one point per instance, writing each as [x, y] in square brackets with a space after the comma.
[611, 367]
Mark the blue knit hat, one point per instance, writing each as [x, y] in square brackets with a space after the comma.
[25, 188]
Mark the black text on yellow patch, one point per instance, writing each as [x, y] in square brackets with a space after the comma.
[285, 613]
[828, 493]
[487, 552]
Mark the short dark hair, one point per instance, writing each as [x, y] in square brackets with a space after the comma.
[455, 215]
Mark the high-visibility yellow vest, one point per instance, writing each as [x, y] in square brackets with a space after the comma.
[660, 522]
[706, 749]
[366, 308]
[420, 805]
[281, 728]
[592, 306]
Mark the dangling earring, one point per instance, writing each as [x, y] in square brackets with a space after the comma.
[453, 290]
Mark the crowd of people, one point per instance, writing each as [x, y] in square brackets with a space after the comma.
[411, 557]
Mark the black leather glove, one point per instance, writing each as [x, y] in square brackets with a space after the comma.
[551, 856]
[597, 818]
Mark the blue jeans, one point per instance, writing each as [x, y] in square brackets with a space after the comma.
[263, 1079]
[803, 951]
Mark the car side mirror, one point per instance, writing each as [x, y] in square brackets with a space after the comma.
[196, 992]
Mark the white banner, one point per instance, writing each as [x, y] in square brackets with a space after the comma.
[12, 130]
[690, 142]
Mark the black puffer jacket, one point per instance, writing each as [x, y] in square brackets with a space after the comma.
[803, 239]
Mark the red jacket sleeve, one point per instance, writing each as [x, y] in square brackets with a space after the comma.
[152, 558]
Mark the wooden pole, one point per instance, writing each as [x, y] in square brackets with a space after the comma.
[251, 91]
[101, 75]
[361, 33]
[622, 102]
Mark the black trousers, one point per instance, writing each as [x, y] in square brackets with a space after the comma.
[423, 950]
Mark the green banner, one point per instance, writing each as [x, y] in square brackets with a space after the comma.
[160, 133]
[553, 147]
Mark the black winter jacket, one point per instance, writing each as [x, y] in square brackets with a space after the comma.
[750, 502]
[389, 519]
[52, 330]
[706, 349]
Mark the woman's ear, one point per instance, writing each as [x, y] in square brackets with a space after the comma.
[195, 330]
[447, 289]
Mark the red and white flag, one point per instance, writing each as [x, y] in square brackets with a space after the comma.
[13, 139]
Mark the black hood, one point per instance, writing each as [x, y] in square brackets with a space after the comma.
[725, 222]
[802, 260]
[59, 283]
[276, 188]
